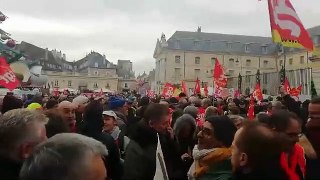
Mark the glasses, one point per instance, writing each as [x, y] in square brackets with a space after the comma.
[294, 135]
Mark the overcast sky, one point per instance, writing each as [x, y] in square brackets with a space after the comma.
[128, 29]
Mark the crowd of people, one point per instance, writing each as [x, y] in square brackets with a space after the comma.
[117, 137]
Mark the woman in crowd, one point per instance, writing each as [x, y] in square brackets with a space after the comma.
[213, 152]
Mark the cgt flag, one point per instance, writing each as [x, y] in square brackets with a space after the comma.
[184, 88]
[286, 27]
[219, 79]
[197, 89]
[7, 77]
[168, 90]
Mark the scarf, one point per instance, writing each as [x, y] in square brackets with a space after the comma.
[206, 158]
[115, 133]
[296, 158]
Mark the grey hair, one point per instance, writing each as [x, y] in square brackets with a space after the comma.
[206, 102]
[63, 156]
[182, 121]
[211, 111]
[19, 126]
[191, 110]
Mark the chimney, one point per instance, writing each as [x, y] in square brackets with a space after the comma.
[199, 29]
[64, 56]
[46, 54]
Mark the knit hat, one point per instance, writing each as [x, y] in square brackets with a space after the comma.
[34, 106]
[116, 102]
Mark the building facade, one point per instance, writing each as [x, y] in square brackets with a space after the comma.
[93, 72]
[191, 55]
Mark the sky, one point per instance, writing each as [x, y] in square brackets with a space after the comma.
[129, 29]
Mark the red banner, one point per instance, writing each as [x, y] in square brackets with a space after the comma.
[7, 77]
[251, 109]
[296, 91]
[287, 27]
[151, 93]
[197, 87]
[286, 86]
[184, 88]
[219, 79]
[258, 93]
[168, 90]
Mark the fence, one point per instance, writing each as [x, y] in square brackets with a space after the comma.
[270, 82]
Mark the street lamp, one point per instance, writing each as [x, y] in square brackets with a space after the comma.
[237, 63]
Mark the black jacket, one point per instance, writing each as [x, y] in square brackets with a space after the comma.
[266, 174]
[93, 129]
[9, 170]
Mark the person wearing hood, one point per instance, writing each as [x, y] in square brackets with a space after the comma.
[94, 128]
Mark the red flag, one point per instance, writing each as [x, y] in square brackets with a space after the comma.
[197, 87]
[101, 93]
[184, 88]
[296, 91]
[237, 93]
[7, 77]
[150, 93]
[287, 27]
[206, 91]
[168, 90]
[258, 93]
[65, 92]
[286, 86]
[251, 109]
[219, 79]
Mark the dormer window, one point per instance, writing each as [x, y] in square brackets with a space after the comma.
[229, 45]
[196, 43]
[264, 49]
[247, 48]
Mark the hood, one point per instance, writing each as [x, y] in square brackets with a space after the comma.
[182, 121]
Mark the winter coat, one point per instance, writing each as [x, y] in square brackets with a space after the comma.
[93, 129]
[9, 169]
[140, 160]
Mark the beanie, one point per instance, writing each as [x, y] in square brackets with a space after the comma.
[116, 102]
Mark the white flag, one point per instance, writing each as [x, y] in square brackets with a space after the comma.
[161, 171]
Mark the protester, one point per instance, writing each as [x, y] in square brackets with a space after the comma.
[292, 160]
[51, 104]
[237, 120]
[20, 131]
[66, 156]
[110, 126]
[191, 110]
[213, 152]
[80, 102]
[256, 154]
[93, 128]
[56, 124]
[313, 135]
[67, 110]
[119, 106]
[210, 111]
[184, 130]
[10, 102]
[143, 144]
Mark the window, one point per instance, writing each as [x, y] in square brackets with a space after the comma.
[229, 45]
[96, 73]
[125, 85]
[264, 49]
[301, 59]
[177, 59]
[96, 64]
[177, 44]
[213, 61]
[265, 63]
[69, 83]
[248, 72]
[231, 72]
[248, 62]
[247, 48]
[231, 62]
[196, 43]
[56, 83]
[197, 60]
[290, 61]
[265, 79]
[107, 86]
[247, 79]
[281, 63]
[196, 73]
[177, 73]
[264, 91]
[95, 85]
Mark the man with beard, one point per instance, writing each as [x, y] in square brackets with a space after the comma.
[67, 110]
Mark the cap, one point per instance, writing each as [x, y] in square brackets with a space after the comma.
[110, 113]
